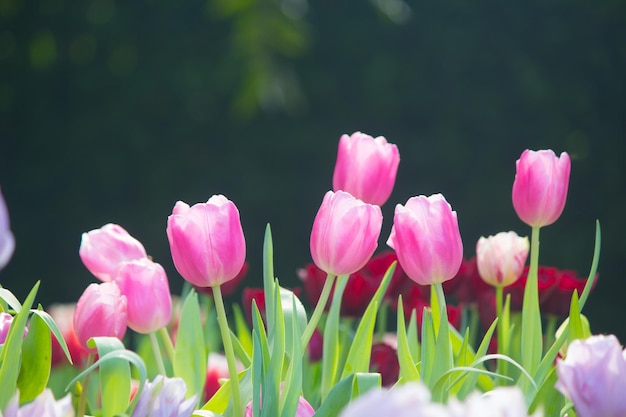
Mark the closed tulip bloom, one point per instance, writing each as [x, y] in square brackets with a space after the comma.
[100, 312]
[147, 292]
[345, 233]
[207, 242]
[593, 376]
[501, 258]
[426, 238]
[540, 186]
[7, 241]
[366, 167]
[102, 250]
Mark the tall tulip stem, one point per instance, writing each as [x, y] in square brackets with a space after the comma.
[319, 309]
[82, 401]
[228, 349]
[157, 353]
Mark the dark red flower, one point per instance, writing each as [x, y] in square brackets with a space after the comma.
[384, 360]
[557, 303]
[417, 300]
[316, 346]
[467, 286]
[248, 295]
[361, 285]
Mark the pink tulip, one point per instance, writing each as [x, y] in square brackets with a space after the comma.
[366, 167]
[426, 238]
[5, 324]
[102, 250]
[7, 241]
[100, 312]
[303, 409]
[345, 233]
[540, 186]
[207, 242]
[43, 406]
[501, 258]
[593, 376]
[145, 286]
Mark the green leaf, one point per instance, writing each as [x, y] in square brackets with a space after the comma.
[52, 326]
[408, 369]
[36, 359]
[358, 360]
[330, 356]
[293, 380]
[470, 382]
[594, 268]
[268, 277]
[242, 330]
[114, 376]
[273, 373]
[10, 299]
[346, 390]
[428, 346]
[10, 357]
[240, 351]
[190, 355]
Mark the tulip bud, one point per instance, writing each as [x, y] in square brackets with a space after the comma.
[147, 292]
[207, 242]
[593, 376]
[366, 167]
[345, 233]
[7, 241]
[102, 250]
[5, 325]
[426, 238]
[100, 312]
[540, 186]
[501, 258]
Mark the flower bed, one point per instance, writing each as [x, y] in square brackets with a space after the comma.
[417, 330]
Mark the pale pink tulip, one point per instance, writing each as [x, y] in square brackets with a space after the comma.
[147, 291]
[366, 167]
[102, 250]
[540, 186]
[593, 376]
[100, 312]
[207, 242]
[501, 258]
[165, 397]
[5, 324]
[7, 241]
[345, 233]
[43, 406]
[426, 238]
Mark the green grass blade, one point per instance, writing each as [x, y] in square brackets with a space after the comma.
[36, 358]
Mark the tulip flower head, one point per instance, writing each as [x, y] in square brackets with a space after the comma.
[207, 242]
[102, 250]
[7, 241]
[164, 397]
[43, 406]
[147, 292]
[593, 376]
[501, 258]
[540, 186]
[100, 312]
[345, 233]
[426, 238]
[366, 167]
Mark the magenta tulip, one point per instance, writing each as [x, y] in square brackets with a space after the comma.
[147, 292]
[593, 376]
[366, 167]
[100, 312]
[501, 258]
[426, 238]
[7, 241]
[207, 242]
[103, 250]
[540, 186]
[345, 233]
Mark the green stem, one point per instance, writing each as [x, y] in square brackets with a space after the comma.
[551, 326]
[443, 350]
[82, 401]
[531, 315]
[157, 353]
[319, 309]
[167, 342]
[502, 347]
[382, 320]
[228, 350]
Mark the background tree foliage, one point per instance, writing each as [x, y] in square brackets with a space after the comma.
[111, 111]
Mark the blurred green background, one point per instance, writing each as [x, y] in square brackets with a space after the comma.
[111, 111]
